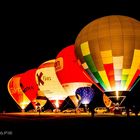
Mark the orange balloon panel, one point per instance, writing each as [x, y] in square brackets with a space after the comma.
[16, 92]
[109, 50]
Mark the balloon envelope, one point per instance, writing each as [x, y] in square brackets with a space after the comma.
[16, 92]
[69, 72]
[28, 85]
[48, 82]
[85, 94]
[109, 50]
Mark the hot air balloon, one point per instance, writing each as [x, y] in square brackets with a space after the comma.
[69, 72]
[29, 86]
[49, 84]
[109, 51]
[85, 95]
[17, 93]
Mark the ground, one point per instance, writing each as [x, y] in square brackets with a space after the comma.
[59, 125]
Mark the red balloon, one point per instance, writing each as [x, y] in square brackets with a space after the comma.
[68, 69]
[28, 84]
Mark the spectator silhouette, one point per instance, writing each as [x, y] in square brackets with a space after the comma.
[127, 105]
[39, 109]
[92, 107]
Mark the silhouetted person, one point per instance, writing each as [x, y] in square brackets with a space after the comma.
[136, 105]
[135, 110]
[92, 107]
[38, 109]
[127, 105]
[127, 111]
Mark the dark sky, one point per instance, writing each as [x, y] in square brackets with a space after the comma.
[34, 33]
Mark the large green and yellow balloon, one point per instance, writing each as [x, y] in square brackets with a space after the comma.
[109, 50]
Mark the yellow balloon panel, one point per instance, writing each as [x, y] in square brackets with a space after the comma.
[106, 57]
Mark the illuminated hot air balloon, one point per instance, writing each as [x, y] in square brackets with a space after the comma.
[69, 72]
[109, 50]
[29, 86]
[85, 94]
[49, 84]
[17, 93]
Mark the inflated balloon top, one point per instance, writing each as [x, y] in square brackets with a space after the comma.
[109, 50]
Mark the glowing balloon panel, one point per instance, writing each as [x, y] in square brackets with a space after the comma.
[109, 50]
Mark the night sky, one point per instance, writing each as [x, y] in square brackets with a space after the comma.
[34, 33]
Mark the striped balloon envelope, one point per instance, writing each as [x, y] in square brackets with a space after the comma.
[109, 50]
